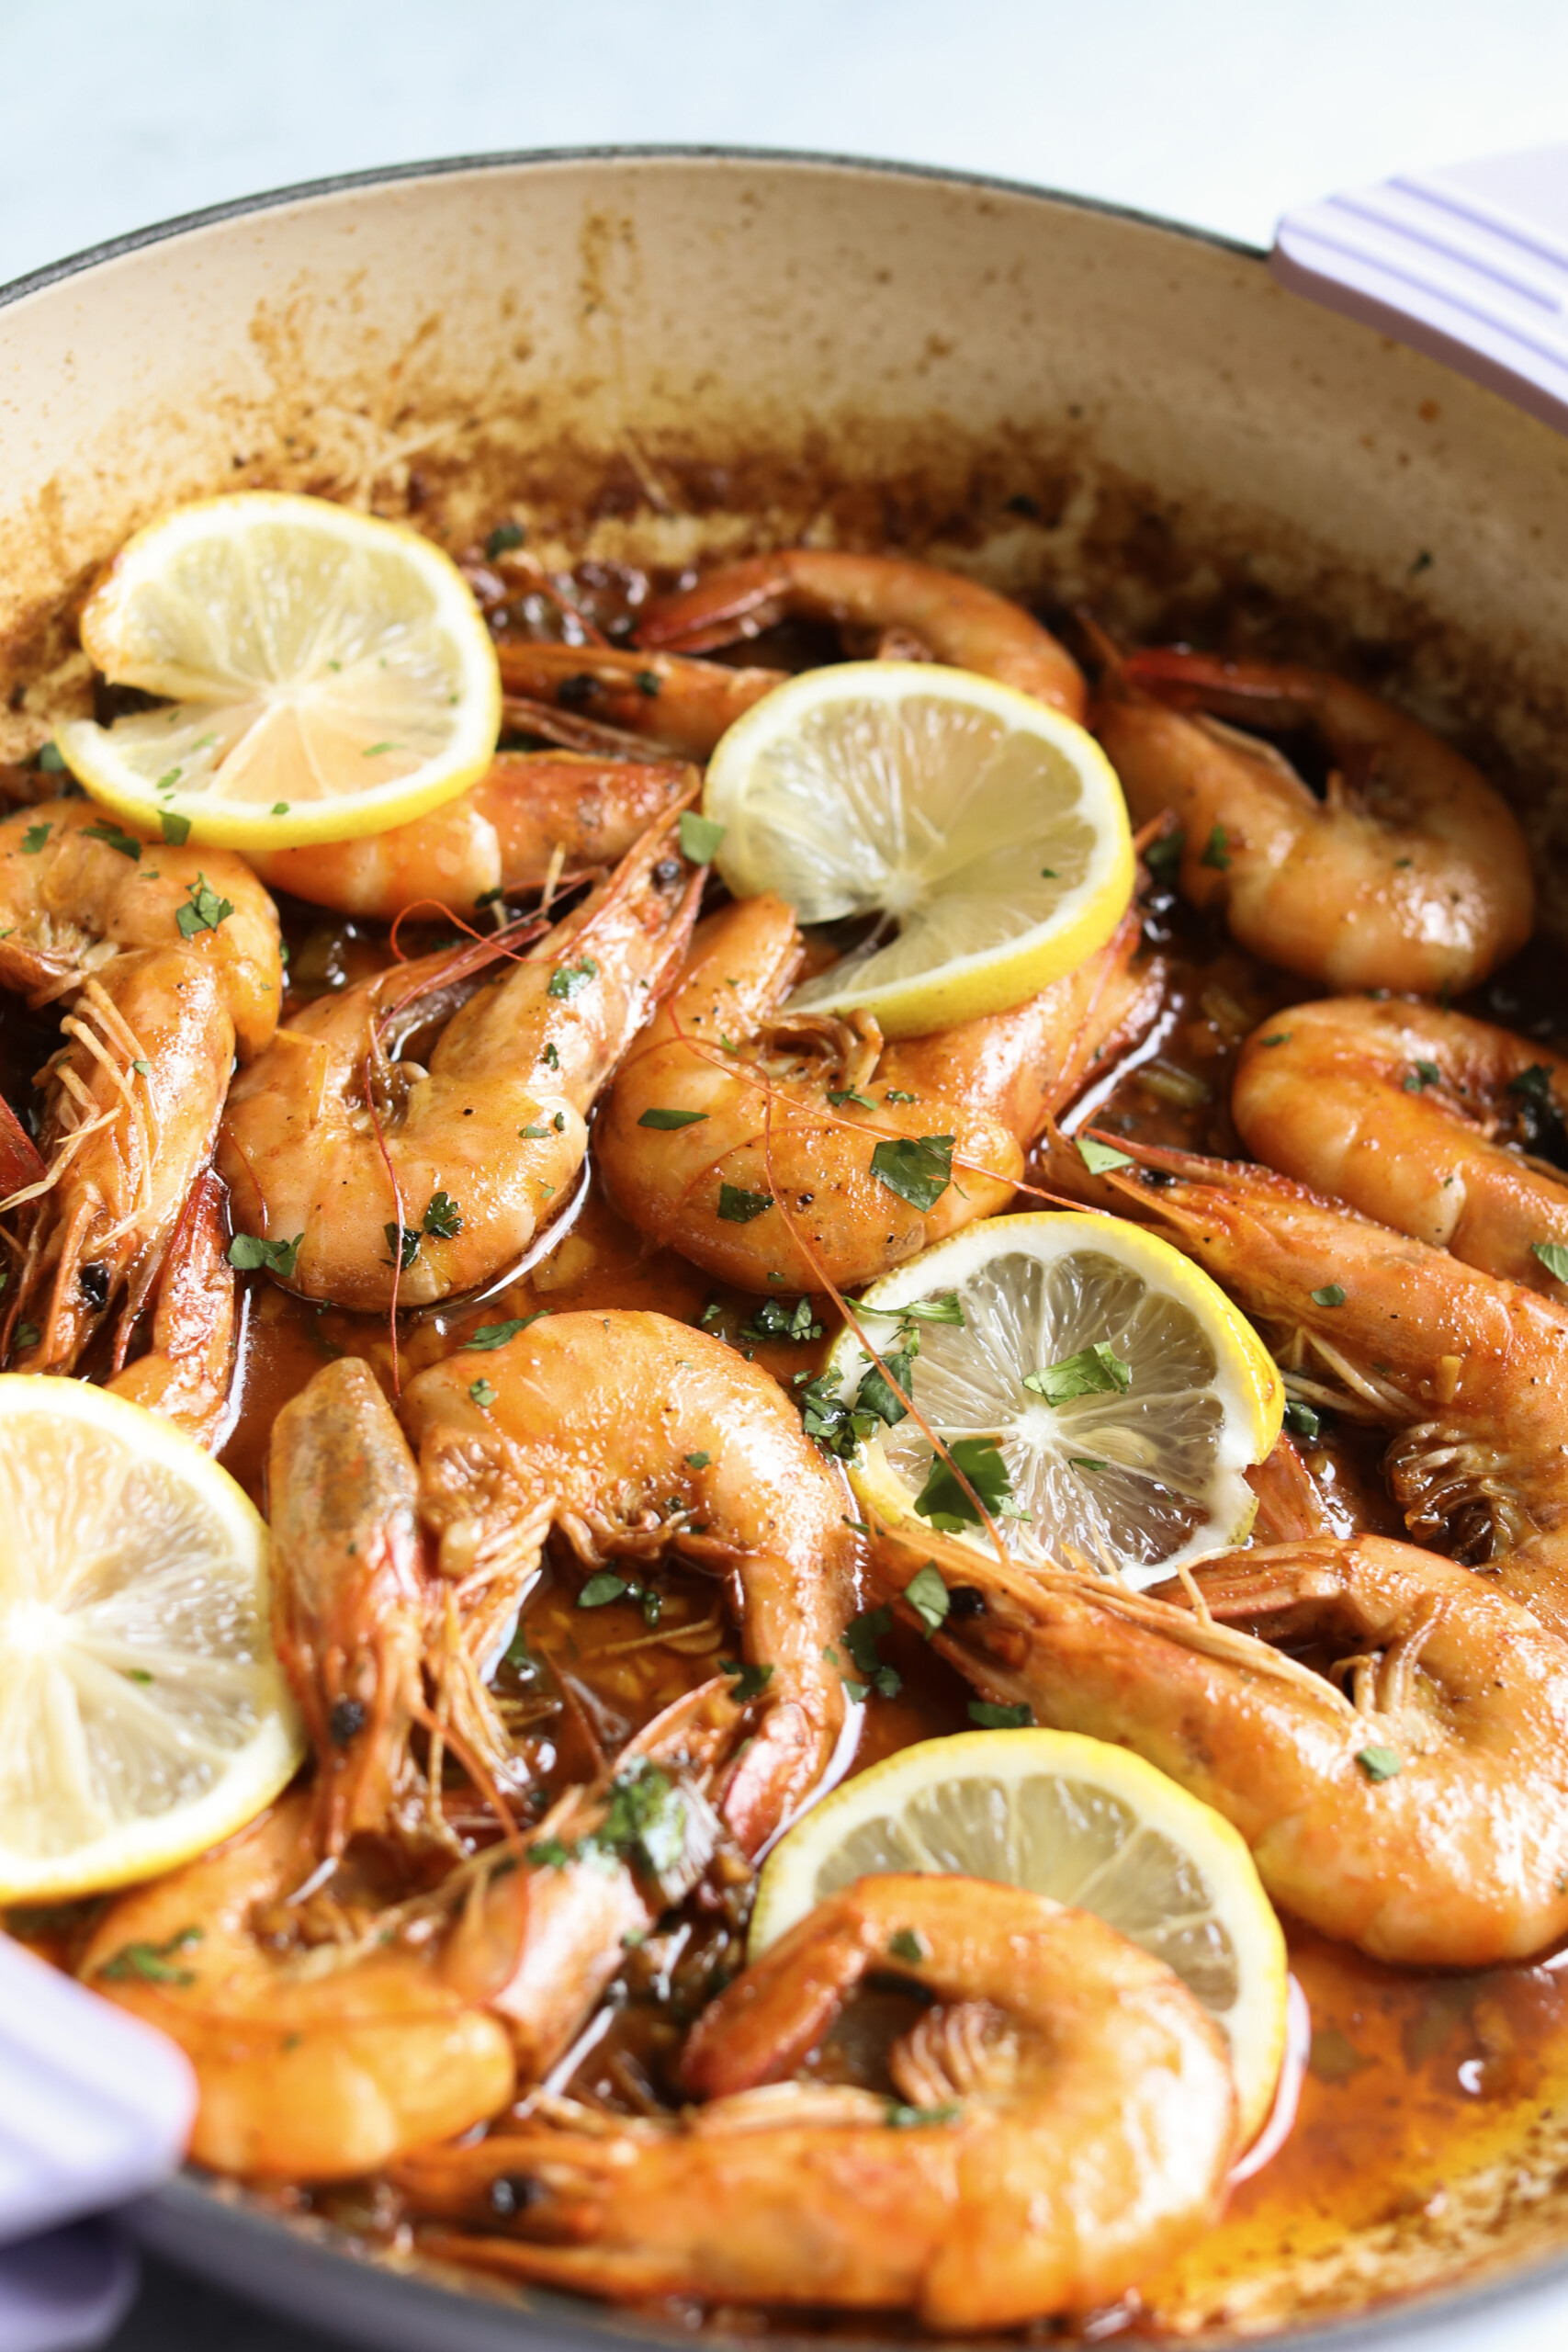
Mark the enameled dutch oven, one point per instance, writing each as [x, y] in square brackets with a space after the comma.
[666, 354]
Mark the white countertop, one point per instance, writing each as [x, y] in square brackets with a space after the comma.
[1220, 112]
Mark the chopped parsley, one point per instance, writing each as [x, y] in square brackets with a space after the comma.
[992, 1717]
[1331, 1294]
[1097, 1371]
[402, 1241]
[482, 1394]
[905, 1943]
[738, 1206]
[248, 1253]
[1554, 1256]
[115, 837]
[1099, 1159]
[174, 830]
[861, 1636]
[771, 1319]
[1163, 857]
[700, 836]
[697, 1461]
[750, 1681]
[944, 1309]
[1301, 1421]
[154, 1964]
[838, 1095]
[666, 1120]
[1425, 1074]
[569, 980]
[496, 1335]
[504, 539]
[206, 910]
[1379, 1763]
[443, 1218]
[34, 839]
[928, 1597]
[1217, 849]
[919, 1172]
[943, 1500]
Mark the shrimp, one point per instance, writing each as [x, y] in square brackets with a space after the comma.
[169, 964]
[1412, 874]
[632, 1434]
[1423, 1818]
[1396, 1109]
[1470, 1371]
[953, 619]
[530, 817]
[320, 2064]
[797, 1108]
[1070, 2116]
[353, 1598]
[330, 1141]
[592, 695]
[188, 1370]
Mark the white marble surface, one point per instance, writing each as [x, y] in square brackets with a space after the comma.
[1221, 112]
[1224, 112]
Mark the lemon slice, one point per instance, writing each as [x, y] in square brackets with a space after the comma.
[1080, 1821]
[991, 829]
[330, 675]
[1141, 1468]
[142, 1713]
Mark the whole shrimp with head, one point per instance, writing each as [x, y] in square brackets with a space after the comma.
[1070, 2116]
[782, 1148]
[1411, 873]
[905, 606]
[1422, 1815]
[400, 1181]
[1403, 1111]
[167, 962]
[1468, 1370]
[634, 1434]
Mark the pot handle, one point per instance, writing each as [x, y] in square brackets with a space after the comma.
[1469, 262]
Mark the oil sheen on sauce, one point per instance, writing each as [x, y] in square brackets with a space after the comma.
[1424, 2093]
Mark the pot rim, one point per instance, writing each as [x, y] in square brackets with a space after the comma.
[239, 208]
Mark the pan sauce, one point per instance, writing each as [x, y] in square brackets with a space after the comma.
[1429, 2127]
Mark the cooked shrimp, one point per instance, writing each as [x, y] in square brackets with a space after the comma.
[188, 1370]
[168, 963]
[1423, 1816]
[1396, 1108]
[353, 1600]
[1073, 2117]
[328, 1139]
[316, 2064]
[792, 1108]
[953, 619]
[660, 698]
[531, 818]
[632, 1434]
[1413, 873]
[1469, 1370]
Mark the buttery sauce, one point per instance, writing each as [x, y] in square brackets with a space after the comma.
[1431, 2122]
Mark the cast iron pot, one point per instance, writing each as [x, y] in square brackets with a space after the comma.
[667, 355]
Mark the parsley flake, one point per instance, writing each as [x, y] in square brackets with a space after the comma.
[1331, 1294]
[838, 1095]
[861, 1636]
[115, 837]
[1099, 1159]
[496, 1335]
[206, 910]
[504, 539]
[750, 1681]
[1301, 1421]
[905, 1943]
[1425, 1074]
[944, 1309]
[901, 2118]
[1554, 1256]
[928, 1597]
[738, 1206]
[248, 1253]
[174, 830]
[945, 1503]
[919, 1172]
[1379, 1763]
[569, 979]
[665, 1121]
[443, 1218]
[1217, 849]
[992, 1716]
[152, 1962]
[1163, 857]
[1095, 1371]
[34, 839]
[402, 1241]
[700, 836]
[482, 1394]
